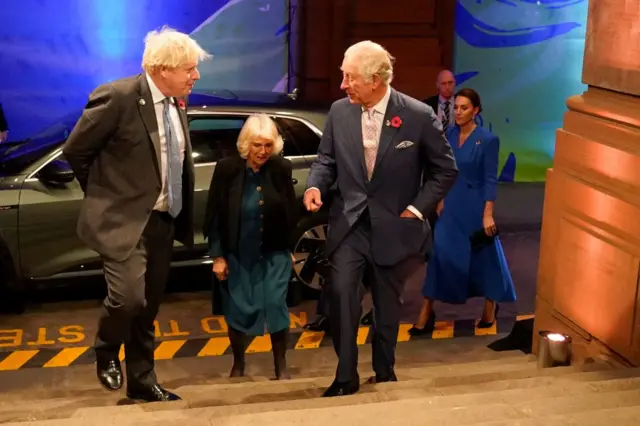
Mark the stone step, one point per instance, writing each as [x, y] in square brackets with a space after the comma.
[441, 411]
[377, 394]
[624, 416]
[81, 396]
[226, 399]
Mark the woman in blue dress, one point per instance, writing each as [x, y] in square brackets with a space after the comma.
[250, 216]
[458, 269]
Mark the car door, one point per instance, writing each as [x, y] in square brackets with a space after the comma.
[300, 146]
[48, 217]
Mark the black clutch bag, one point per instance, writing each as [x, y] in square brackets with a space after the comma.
[480, 239]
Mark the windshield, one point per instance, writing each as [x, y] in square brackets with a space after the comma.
[15, 157]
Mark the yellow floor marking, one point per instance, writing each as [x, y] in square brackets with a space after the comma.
[363, 333]
[168, 348]
[215, 346]
[524, 317]
[486, 331]
[443, 330]
[310, 340]
[17, 359]
[66, 357]
[260, 344]
[403, 332]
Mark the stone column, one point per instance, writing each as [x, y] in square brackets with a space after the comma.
[588, 277]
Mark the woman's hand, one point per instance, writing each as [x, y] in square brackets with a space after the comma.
[439, 207]
[220, 268]
[489, 225]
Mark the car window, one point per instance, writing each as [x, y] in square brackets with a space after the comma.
[299, 138]
[214, 138]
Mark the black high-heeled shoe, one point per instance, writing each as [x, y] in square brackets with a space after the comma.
[427, 329]
[487, 324]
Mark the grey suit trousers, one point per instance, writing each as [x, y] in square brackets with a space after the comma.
[349, 262]
[135, 289]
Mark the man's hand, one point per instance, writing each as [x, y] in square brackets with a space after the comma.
[407, 214]
[4, 136]
[220, 268]
[312, 199]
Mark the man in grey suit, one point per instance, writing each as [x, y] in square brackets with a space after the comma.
[131, 154]
[377, 144]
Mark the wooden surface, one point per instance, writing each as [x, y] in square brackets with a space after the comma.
[419, 35]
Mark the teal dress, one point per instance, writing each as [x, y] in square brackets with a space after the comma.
[256, 290]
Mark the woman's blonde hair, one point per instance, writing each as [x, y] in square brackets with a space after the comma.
[170, 48]
[259, 126]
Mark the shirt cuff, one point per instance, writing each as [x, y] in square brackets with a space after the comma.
[416, 212]
[309, 189]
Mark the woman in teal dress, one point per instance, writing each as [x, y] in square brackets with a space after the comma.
[458, 269]
[249, 220]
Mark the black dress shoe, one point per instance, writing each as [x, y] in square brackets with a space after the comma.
[110, 374]
[342, 389]
[153, 393]
[320, 324]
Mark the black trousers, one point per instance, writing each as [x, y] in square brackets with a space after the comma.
[135, 289]
[348, 264]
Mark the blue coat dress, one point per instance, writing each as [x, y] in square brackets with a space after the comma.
[455, 272]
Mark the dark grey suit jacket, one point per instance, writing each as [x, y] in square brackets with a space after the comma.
[417, 146]
[114, 151]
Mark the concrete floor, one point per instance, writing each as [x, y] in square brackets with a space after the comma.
[188, 314]
[80, 381]
[66, 316]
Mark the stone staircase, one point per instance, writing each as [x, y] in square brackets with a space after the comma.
[506, 390]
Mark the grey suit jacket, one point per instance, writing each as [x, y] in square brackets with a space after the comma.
[114, 151]
[418, 146]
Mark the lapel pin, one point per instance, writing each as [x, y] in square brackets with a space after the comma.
[477, 142]
[142, 102]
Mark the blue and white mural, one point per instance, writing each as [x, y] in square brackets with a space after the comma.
[54, 52]
[524, 57]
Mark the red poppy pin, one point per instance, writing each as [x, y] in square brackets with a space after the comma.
[181, 104]
[395, 122]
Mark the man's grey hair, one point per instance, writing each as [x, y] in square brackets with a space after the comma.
[171, 49]
[259, 126]
[371, 59]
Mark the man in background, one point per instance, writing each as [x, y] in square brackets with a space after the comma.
[442, 103]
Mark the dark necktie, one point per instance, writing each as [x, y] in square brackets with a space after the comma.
[446, 113]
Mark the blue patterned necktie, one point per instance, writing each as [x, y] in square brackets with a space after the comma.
[174, 165]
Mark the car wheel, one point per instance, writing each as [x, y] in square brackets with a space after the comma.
[310, 267]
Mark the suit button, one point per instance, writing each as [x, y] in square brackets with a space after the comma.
[260, 202]
[260, 229]
[261, 216]
[259, 188]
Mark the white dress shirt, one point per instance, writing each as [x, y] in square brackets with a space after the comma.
[379, 110]
[162, 204]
